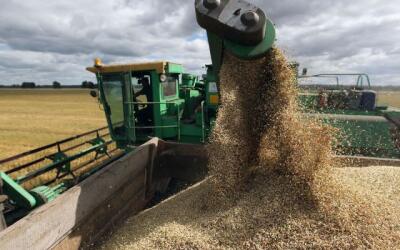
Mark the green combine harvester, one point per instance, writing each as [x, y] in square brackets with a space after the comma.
[365, 128]
[176, 106]
[159, 119]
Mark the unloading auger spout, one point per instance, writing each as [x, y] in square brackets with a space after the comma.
[237, 26]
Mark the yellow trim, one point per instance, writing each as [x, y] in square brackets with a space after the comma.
[158, 66]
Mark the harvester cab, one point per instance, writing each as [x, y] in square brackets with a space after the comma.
[146, 100]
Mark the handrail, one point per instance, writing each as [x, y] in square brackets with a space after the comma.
[360, 75]
[166, 126]
[316, 76]
[165, 102]
[147, 127]
[203, 136]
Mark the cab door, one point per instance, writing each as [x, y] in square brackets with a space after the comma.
[129, 112]
[116, 95]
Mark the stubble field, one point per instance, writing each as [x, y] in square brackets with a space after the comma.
[33, 118]
[389, 98]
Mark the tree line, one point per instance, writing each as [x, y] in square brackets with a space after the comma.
[54, 85]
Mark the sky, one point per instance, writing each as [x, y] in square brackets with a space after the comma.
[46, 41]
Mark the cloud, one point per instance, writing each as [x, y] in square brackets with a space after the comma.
[55, 40]
[340, 36]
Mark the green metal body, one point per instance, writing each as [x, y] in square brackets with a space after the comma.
[178, 115]
[24, 200]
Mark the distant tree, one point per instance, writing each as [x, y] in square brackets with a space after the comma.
[56, 85]
[84, 84]
[91, 85]
[28, 85]
[87, 85]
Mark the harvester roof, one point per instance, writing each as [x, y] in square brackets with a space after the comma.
[161, 67]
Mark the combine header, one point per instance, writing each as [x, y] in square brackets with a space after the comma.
[36, 177]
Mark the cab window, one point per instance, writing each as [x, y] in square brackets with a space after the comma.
[137, 86]
[113, 93]
[169, 86]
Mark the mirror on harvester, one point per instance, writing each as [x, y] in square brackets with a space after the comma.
[304, 73]
[93, 93]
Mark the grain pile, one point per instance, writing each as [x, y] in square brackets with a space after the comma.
[271, 184]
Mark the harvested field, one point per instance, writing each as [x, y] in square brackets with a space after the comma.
[389, 98]
[33, 118]
[272, 180]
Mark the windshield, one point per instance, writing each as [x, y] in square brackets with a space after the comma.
[113, 93]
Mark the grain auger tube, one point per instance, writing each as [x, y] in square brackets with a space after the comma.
[237, 26]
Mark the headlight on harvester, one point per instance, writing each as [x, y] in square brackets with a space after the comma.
[163, 78]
